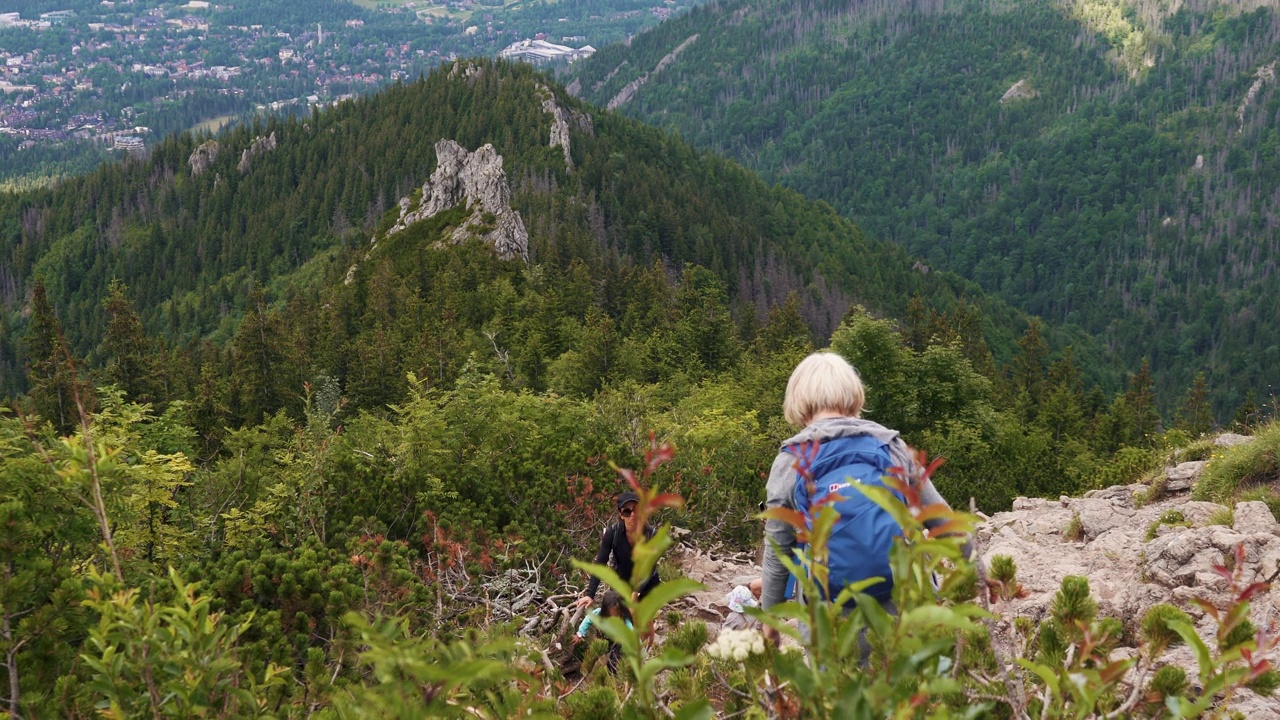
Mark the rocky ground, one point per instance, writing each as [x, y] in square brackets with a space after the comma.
[1107, 536]
[1134, 561]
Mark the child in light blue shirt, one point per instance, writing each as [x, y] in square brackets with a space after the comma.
[611, 605]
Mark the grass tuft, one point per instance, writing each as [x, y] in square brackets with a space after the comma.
[1235, 469]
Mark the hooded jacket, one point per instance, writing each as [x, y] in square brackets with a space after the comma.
[780, 491]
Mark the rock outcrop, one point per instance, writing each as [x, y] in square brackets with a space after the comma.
[259, 147]
[1020, 90]
[1265, 74]
[203, 157]
[629, 90]
[477, 181]
[1137, 555]
[561, 120]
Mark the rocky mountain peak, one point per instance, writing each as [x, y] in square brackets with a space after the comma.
[478, 181]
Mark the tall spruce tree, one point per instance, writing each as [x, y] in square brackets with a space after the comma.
[1140, 402]
[50, 369]
[1196, 416]
[129, 362]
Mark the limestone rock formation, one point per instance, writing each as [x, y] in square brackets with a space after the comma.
[630, 89]
[1138, 555]
[1020, 90]
[203, 156]
[478, 181]
[561, 119]
[259, 147]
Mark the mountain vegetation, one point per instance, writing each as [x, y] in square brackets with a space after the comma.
[1109, 165]
[255, 465]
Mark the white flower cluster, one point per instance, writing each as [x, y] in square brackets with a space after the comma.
[736, 645]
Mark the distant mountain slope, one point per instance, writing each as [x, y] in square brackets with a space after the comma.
[199, 224]
[1111, 164]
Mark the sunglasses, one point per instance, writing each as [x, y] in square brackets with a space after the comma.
[627, 511]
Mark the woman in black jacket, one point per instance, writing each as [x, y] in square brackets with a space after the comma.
[616, 543]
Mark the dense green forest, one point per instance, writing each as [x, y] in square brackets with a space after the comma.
[256, 466]
[1126, 186]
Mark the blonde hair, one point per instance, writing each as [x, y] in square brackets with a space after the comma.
[822, 382]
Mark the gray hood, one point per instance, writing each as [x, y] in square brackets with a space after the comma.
[834, 428]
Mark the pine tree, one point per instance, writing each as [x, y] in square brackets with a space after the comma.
[1028, 369]
[126, 348]
[260, 363]
[50, 369]
[1197, 415]
[1140, 401]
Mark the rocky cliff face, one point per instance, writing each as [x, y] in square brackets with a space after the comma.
[1138, 554]
[203, 156]
[561, 120]
[259, 147]
[478, 181]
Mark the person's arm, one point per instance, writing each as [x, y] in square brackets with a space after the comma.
[587, 622]
[602, 557]
[779, 492]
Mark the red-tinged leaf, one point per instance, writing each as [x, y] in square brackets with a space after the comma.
[1223, 572]
[1248, 593]
[1261, 668]
[794, 518]
[658, 455]
[1239, 556]
[831, 499]
[1247, 654]
[630, 477]
[1115, 671]
[802, 535]
[951, 527]
[1209, 608]
[933, 512]
[931, 467]
[670, 500]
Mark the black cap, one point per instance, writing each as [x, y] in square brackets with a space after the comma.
[627, 497]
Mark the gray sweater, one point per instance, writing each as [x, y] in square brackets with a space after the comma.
[782, 482]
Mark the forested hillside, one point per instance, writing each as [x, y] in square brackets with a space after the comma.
[276, 444]
[1110, 165]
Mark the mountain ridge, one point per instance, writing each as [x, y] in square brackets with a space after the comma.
[1085, 205]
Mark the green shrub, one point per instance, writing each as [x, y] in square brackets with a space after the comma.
[1266, 683]
[1231, 470]
[1169, 680]
[1155, 630]
[1128, 465]
[597, 703]
[1240, 634]
[674, 618]
[689, 637]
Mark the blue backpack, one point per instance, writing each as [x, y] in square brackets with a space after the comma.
[864, 534]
